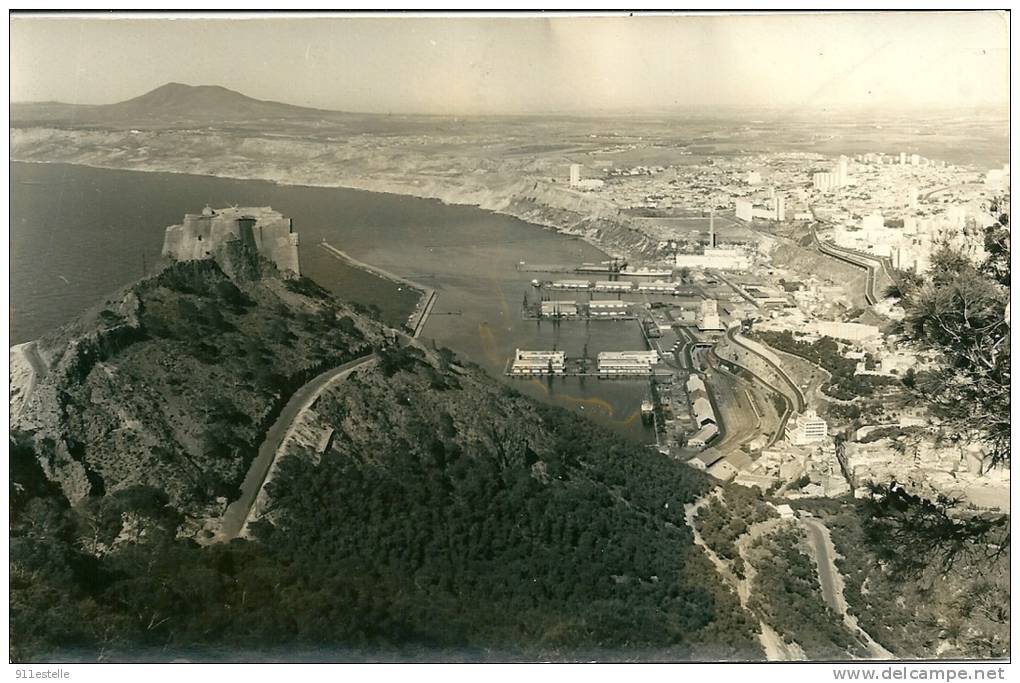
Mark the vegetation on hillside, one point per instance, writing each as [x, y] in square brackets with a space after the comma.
[451, 517]
[958, 311]
[788, 596]
[959, 612]
[722, 521]
[843, 385]
[172, 383]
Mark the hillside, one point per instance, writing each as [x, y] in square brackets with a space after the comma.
[450, 517]
[169, 382]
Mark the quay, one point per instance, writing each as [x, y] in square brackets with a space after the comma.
[416, 321]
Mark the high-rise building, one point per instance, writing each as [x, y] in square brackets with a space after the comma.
[575, 175]
[915, 159]
[711, 227]
[842, 171]
[903, 158]
[753, 178]
[780, 208]
[912, 197]
[824, 181]
[708, 318]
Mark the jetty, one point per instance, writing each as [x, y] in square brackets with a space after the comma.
[416, 321]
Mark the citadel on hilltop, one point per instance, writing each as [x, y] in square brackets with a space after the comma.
[268, 232]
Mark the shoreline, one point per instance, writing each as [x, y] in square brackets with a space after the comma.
[362, 186]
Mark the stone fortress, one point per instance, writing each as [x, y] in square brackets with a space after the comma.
[202, 235]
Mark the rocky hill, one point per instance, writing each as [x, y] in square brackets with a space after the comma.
[170, 381]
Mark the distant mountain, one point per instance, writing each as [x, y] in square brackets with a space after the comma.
[170, 102]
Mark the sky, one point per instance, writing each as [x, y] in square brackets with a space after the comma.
[526, 64]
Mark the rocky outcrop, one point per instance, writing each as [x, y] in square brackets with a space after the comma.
[169, 383]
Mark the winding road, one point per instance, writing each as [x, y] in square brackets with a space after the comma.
[238, 512]
[831, 582]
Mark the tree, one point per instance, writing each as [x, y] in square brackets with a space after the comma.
[958, 313]
[900, 523]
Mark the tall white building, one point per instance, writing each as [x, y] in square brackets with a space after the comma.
[824, 181]
[903, 158]
[809, 428]
[915, 159]
[708, 317]
[842, 171]
[575, 175]
[780, 208]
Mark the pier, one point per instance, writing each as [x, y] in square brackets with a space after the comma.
[416, 321]
[607, 268]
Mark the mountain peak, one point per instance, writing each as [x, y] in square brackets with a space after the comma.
[177, 102]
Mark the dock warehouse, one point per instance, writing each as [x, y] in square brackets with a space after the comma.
[703, 437]
[538, 362]
[608, 308]
[559, 308]
[614, 286]
[627, 362]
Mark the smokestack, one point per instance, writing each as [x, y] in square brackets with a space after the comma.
[711, 227]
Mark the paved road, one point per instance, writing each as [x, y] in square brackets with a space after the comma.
[825, 562]
[238, 511]
[831, 582]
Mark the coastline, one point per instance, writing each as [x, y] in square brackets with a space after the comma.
[361, 184]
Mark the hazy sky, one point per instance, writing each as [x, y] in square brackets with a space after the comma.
[525, 64]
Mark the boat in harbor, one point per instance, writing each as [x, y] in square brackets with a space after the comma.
[646, 272]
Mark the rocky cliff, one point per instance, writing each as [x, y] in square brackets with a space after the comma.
[170, 381]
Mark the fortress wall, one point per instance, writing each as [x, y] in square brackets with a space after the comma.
[277, 242]
[269, 233]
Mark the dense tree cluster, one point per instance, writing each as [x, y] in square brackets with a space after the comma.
[429, 543]
[824, 352]
[723, 520]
